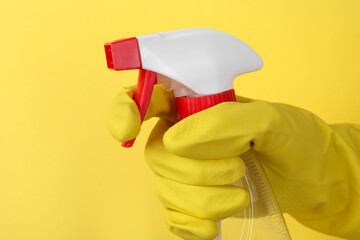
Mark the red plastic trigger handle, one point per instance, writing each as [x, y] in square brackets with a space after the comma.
[147, 80]
[124, 54]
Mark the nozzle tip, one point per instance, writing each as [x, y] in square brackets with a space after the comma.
[123, 54]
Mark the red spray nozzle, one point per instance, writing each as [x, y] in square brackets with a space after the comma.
[124, 54]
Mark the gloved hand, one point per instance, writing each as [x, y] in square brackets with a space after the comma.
[314, 167]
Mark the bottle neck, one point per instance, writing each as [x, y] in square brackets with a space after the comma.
[187, 106]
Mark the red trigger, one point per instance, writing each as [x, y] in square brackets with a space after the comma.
[147, 80]
[124, 54]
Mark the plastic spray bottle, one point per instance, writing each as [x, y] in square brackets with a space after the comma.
[199, 65]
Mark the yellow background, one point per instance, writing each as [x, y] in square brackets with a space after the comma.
[62, 176]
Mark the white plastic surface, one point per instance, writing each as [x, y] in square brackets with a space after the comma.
[202, 60]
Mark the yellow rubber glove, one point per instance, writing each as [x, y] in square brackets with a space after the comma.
[314, 167]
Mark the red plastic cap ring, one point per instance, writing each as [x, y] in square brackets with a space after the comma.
[187, 106]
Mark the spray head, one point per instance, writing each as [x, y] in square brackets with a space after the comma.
[193, 62]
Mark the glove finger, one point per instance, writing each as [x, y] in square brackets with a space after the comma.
[226, 130]
[123, 117]
[242, 99]
[188, 170]
[211, 202]
[189, 227]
